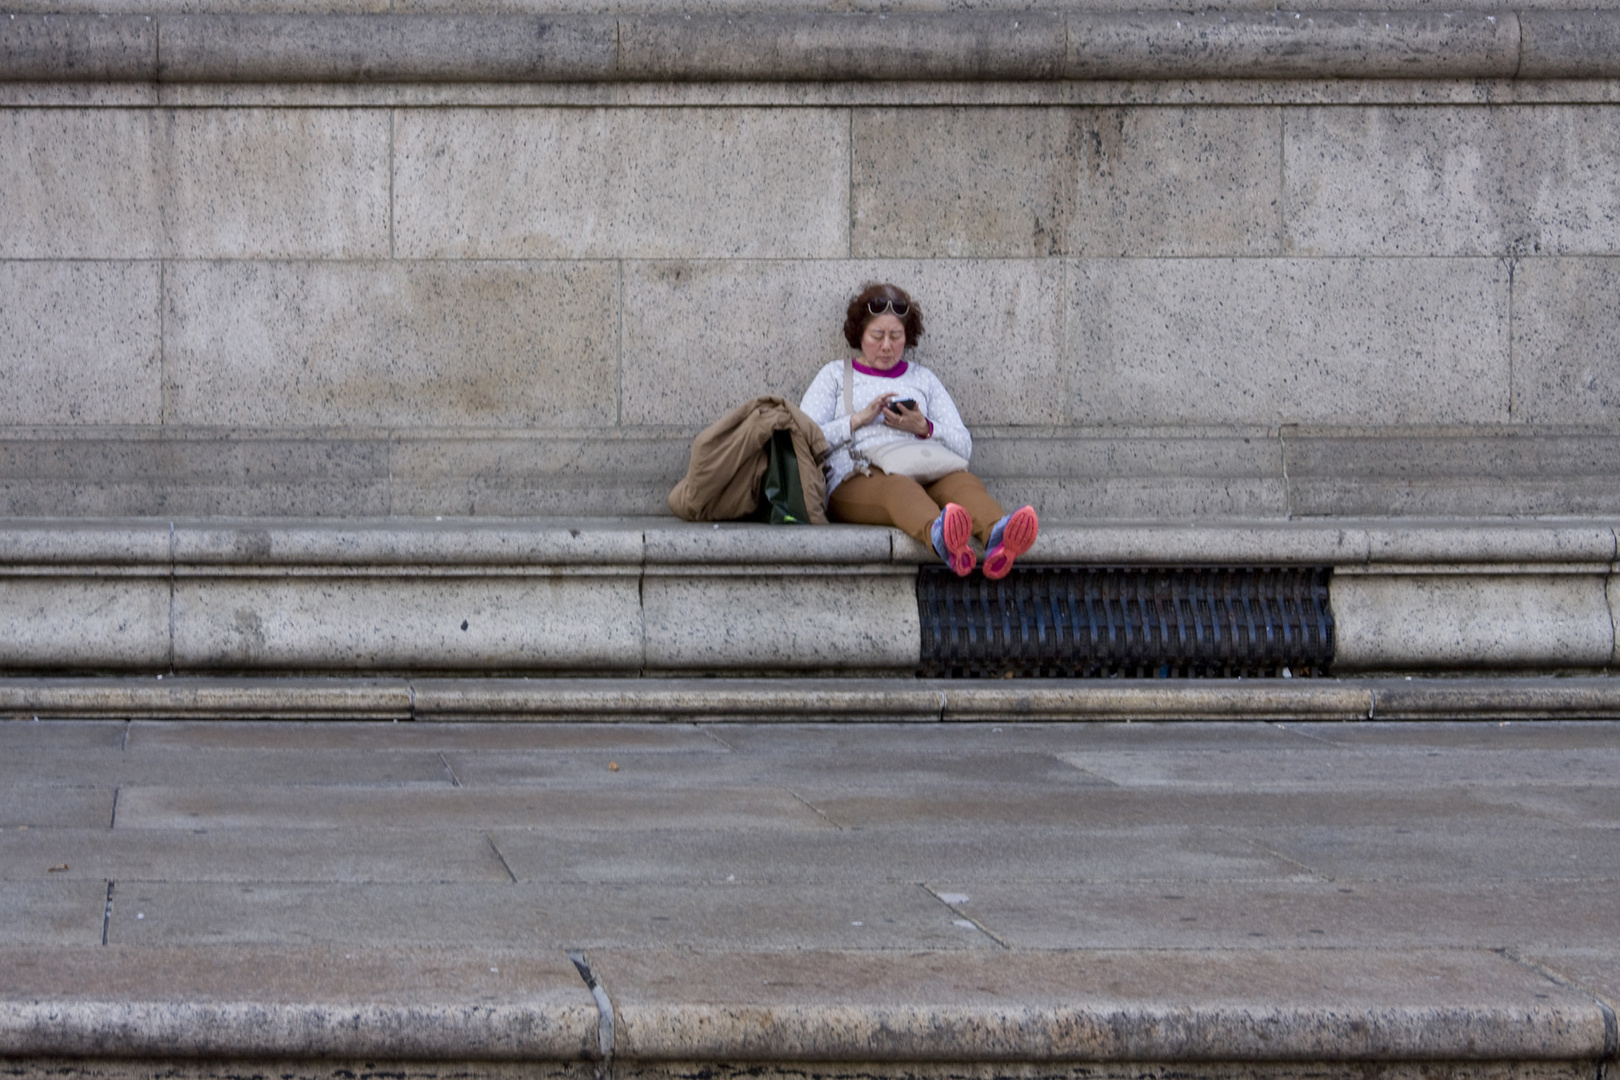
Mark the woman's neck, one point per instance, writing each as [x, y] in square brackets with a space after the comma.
[895, 372]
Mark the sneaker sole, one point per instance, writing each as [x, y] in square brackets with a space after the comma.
[1016, 538]
[958, 540]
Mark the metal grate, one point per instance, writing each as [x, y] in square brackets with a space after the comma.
[1133, 622]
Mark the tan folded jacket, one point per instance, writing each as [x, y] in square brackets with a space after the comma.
[728, 462]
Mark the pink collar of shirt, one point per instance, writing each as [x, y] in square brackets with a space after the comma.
[892, 373]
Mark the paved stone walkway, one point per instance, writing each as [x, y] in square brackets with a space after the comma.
[939, 887]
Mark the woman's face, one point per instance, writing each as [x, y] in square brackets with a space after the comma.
[883, 342]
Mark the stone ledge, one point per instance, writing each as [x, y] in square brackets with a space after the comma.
[1070, 474]
[1095, 1005]
[967, 47]
[800, 700]
[648, 597]
[273, 546]
[312, 1002]
[1182, 1006]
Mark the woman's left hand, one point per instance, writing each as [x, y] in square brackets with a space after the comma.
[910, 418]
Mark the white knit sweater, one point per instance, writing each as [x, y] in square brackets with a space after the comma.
[824, 403]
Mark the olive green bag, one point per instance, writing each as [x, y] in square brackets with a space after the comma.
[781, 493]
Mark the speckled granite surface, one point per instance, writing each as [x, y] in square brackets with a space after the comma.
[879, 899]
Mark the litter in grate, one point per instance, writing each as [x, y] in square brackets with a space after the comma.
[1126, 622]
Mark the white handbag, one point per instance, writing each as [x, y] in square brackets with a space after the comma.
[921, 459]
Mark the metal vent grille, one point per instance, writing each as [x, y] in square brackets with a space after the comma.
[1099, 622]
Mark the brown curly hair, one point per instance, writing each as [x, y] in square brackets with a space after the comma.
[856, 318]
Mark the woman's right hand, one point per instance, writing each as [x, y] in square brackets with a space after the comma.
[873, 409]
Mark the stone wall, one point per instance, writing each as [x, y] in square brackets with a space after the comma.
[284, 282]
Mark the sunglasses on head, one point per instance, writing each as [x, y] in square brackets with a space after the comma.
[878, 305]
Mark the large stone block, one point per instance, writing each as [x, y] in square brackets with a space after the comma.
[194, 183]
[171, 8]
[537, 473]
[1570, 44]
[369, 545]
[1031, 182]
[394, 623]
[701, 544]
[606, 183]
[58, 543]
[1257, 341]
[1089, 498]
[1188, 181]
[828, 45]
[1291, 44]
[1092, 475]
[1566, 341]
[79, 343]
[954, 182]
[1452, 180]
[434, 344]
[1495, 471]
[1449, 621]
[701, 337]
[87, 623]
[276, 183]
[78, 47]
[285, 48]
[792, 622]
[80, 184]
[163, 471]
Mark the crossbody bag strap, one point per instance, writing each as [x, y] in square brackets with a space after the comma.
[861, 464]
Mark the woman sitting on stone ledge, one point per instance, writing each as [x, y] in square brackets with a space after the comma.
[910, 470]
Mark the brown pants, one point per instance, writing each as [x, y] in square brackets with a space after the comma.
[881, 499]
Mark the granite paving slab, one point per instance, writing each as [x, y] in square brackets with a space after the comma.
[907, 853]
[998, 737]
[18, 736]
[1418, 851]
[852, 767]
[248, 855]
[721, 915]
[1343, 913]
[392, 736]
[1595, 969]
[1116, 807]
[1573, 805]
[604, 805]
[1306, 768]
[27, 805]
[145, 766]
[1560, 735]
[51, 911]
[1098, 900]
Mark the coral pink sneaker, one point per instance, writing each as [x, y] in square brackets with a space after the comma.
[1012, 536]
[953, 538]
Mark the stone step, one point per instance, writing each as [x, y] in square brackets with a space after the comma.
[1078, 474]
[207, 898]
[475, 1011]
[652, 596]
[801, 700]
